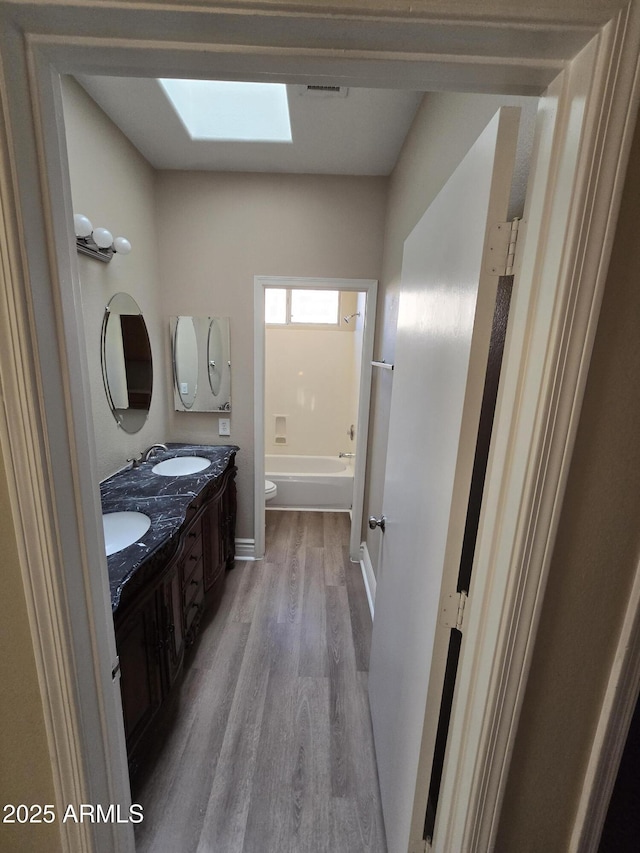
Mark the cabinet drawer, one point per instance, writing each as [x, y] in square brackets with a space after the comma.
[194, 582]
[193, 598]
[192, 559]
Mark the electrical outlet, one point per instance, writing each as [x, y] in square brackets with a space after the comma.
[224, 426]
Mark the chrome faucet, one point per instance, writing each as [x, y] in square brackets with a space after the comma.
[346, 455]
[150, 451]
[144, 456]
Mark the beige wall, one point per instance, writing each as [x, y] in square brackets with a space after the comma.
[219, 230]
[25, 769]
[593, 564]
[311, 378]
[445, 127]
[115, 187]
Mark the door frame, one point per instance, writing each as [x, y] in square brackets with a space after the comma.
[618, 707]
[526, 480]
[354, 285]
[45, 425]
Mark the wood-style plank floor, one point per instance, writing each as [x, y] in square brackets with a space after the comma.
[271, 749]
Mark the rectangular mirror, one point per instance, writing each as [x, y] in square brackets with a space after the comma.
[201, 359]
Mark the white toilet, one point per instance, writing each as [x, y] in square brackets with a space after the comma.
[270, 490]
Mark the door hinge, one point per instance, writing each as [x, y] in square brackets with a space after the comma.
[421, 845]
[453, 610]
[116, 669]
[501, 248]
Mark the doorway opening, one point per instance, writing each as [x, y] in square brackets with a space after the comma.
[342, 378]
[313, 356]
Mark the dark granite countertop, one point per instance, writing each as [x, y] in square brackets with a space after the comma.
[163, 499]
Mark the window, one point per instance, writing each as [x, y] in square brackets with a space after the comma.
[227, 110]
[290, 307]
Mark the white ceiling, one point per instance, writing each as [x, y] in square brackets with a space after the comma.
[360, 134]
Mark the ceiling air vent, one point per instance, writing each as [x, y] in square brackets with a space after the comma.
[317, 91]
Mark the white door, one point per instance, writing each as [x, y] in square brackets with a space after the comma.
[446, 308]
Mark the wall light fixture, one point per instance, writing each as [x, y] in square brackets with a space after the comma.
[97, 243]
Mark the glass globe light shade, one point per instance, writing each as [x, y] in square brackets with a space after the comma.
[122, 245]
[103, 238]
[82, 226]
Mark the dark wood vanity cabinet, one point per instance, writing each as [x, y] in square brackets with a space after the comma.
[156, 625]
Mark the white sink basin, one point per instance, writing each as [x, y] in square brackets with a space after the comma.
[181, 466]
[122, 529]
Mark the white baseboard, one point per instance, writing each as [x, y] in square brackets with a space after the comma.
[368, 576]
[245, 549]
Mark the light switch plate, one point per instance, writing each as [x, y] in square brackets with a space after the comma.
[224, 426]
[184, 387]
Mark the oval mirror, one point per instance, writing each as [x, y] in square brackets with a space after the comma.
[185, 360]
[127, 367]
[215, 354]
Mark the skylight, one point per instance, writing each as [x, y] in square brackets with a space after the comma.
[231, 111]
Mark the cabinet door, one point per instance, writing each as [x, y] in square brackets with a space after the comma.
[172, 625]
[138, 645]
[213, 546]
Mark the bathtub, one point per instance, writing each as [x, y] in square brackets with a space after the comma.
[310, 482]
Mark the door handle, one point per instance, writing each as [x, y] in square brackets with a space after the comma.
[377, 522]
